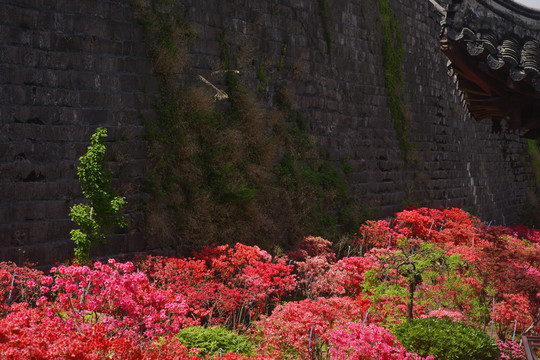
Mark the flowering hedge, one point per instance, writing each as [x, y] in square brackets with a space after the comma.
[425, 262]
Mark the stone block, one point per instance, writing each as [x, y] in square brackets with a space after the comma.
[122, 12]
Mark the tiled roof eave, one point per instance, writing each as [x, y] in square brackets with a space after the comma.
[496, 61]
[520, 59]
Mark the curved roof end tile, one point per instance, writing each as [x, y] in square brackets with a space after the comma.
[494, 49]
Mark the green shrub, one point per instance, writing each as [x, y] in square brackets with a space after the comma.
[210, 340]
[446, 340]
[103, 209]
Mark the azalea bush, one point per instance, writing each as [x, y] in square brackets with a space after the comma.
[35, 333]
[497, 276]
[347, 276]
[511, 350]
[354, 341]
[429, 283]
[375, 234]
[224, 284]
[18, 284]
[443, 313]
[114, 295]
[298, 328]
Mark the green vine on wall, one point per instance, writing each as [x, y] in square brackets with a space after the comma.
[534, 152]
[324, 10]
[392, 52]
[531, 212]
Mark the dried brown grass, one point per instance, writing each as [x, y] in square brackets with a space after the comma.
[208, 147]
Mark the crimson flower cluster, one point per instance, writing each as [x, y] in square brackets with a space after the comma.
[224, 284]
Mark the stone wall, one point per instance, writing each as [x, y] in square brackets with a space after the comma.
[463, 163]
[69, 66]
[455, 161]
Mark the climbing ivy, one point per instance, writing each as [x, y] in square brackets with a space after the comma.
[325, 20]
[392, 53]
[531, 212]
[534, 153]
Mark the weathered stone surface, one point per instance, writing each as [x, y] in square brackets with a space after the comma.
[69, 66]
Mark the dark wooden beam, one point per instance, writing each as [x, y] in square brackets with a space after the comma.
[465, 65]
[531, 343]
